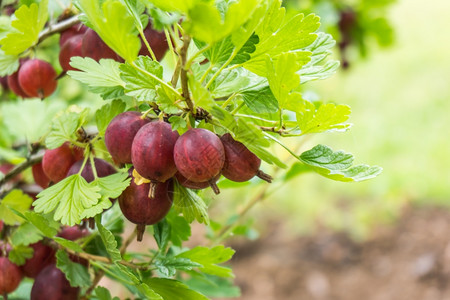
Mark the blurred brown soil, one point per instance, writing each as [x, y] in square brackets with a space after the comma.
[407, 261]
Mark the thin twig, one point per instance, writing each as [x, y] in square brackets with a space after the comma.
[183, 73]
[20, 168]
[58, 27]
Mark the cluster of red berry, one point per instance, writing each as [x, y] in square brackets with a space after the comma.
[196, 159]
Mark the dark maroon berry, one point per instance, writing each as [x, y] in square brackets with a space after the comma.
[138, 208]
[120, 134]
[152, 151]
[240, 164]
[102, 167]
[194, 185]
[67, 34]
[13, 83]
[95, 48]
[4, 83]
[42, 256]
[51, 284]
[71, 48]
[37, 78]
[199, 156]
[157, 41]
[57, 162]
[10, 276]
[39, 176]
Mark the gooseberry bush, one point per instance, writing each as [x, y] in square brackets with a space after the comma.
[196, 94]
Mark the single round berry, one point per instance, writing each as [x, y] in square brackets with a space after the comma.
[71, 48]
[57, 162]
[95, 48]
[67, 34]
[37, 78]
[240, 163]
[42, 256]
[102, 167]
[39, 175]
[51, 284]
[13, 83]
[73, 233]
[152, 151]
[199, 156]
[139, 209]
[120, 134]
[10, 276]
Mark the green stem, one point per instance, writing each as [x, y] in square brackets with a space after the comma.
[107, 271]
[229, 60]
[169, 42]
[206, 73]
[225, 104]
[191, 60]
[238, 108]
[94, 169]
[152, 54]
[256, 118]
[84, 163]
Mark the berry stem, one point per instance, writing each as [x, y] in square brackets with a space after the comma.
[214, 186]
[152, 189]
[140, 229]
[264, 176]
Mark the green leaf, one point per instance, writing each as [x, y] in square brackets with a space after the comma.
[213, 286]
[8, 63]
[28, 23]
[141, 78]
[205, 22]
[101, 77]
[68, 244]
[173, 290]
[277, 36]
[337, 165]
[166, 100]
[143, 288]
[19, 254]
[328, 117]
[190, 204]
[318, 67]
[110, 187]
[136, 9]
[260, 101]
[18, 201]
[29, 119]
[106, 113]
[283, 78]
[173, 5]
[102, 293]
[26, 234]
[168, 266]
[108, 240]
[200, 94]
[115, 26]
[64, 127]
[209, 258]
[69, 197]
[161, 234]
[177, 122]
[44, 225]
[76, 274]
[180, 230]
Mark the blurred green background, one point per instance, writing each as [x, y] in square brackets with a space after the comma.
[400, 100]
